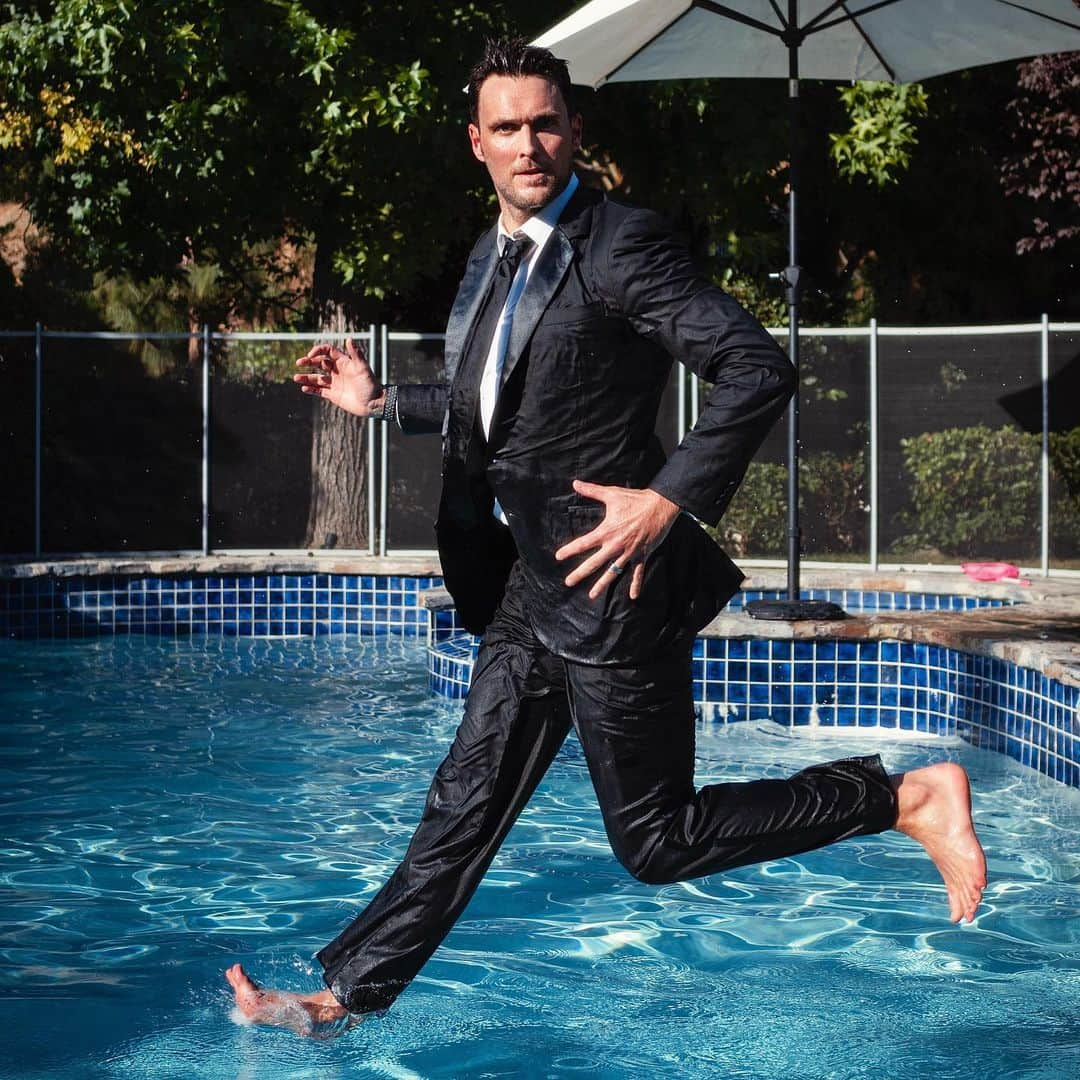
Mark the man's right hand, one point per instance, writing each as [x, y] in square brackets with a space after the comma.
[342, 377]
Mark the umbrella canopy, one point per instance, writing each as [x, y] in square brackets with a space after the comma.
[885, 40]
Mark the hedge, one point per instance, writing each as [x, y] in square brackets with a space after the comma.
[971, 493]
[975, 492]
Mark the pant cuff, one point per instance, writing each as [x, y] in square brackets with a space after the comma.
[354, 995]
[881, 805]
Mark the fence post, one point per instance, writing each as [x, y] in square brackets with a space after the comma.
[384, 470]
[205, 439]
[1044, 510]
[874, 493]
[38, 362]
[372, 548]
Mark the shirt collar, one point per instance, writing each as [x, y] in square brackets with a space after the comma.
[541, 225]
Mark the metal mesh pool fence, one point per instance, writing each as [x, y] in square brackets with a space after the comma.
[927, 445]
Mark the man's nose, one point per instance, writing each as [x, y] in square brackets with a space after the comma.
[528, 141]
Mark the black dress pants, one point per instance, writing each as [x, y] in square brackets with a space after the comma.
[636, 726]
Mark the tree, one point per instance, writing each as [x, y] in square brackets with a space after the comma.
[147, 137]
[309, 160]
[1045, 164]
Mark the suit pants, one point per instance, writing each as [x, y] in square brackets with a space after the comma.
[636, 727]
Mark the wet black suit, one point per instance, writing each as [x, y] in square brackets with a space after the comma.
[611, 300]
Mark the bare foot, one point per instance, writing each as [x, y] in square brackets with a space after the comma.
[934, 807]
[305, 1014]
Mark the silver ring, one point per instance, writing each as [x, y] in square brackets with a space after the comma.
[616, 569]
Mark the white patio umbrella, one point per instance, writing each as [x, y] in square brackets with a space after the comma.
[885, 40]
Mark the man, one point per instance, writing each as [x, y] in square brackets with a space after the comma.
[567, 540]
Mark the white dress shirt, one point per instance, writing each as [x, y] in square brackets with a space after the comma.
[538, 229]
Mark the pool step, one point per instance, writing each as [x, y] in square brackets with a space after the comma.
[450, 662]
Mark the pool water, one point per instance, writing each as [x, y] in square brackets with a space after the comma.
[171, 806]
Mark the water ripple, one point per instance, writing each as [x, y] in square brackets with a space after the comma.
[169, 807]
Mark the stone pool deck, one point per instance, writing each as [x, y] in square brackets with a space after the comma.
[1039, 629]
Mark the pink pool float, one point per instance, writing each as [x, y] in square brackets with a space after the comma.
[993, 571]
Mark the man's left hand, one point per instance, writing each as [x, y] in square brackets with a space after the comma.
[636, 520]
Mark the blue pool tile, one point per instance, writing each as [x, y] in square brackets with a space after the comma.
[869, 673]
[781, 714]
[988, 701]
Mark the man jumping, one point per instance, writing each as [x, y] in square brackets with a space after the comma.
[573, 546]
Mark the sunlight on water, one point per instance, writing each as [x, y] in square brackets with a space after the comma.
[171, 807]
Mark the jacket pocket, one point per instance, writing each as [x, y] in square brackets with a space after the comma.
[560, 316]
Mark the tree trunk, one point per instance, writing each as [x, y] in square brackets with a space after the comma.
[337, 513]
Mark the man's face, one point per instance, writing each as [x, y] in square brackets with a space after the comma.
[527, 141]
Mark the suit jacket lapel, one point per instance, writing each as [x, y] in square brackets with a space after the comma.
[470, 296]
[547, 275]
[465, 384]
[545, 278]
[554, 262]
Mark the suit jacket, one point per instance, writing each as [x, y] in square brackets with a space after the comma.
[611, 301]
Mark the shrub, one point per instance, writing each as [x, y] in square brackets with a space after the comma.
[1065, 459]
[755, 521]
[832, 507]
[975, 491]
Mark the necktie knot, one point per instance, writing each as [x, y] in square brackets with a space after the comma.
[513, 252]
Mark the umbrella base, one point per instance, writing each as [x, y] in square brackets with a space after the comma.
[795, 610]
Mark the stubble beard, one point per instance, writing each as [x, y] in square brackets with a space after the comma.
[536, 201]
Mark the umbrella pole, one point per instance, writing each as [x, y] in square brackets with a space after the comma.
[794, 607]
[791, 286]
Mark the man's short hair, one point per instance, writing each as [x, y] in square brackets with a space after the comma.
[517, 59]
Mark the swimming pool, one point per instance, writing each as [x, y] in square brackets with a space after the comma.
[174, 804]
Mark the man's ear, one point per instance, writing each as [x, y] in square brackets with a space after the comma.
[575, 130]
[474, 142]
